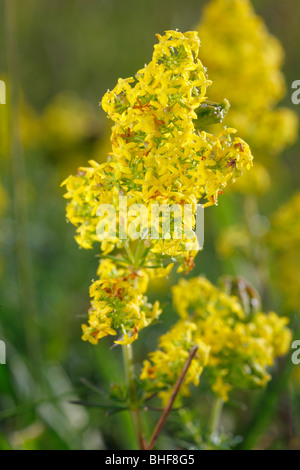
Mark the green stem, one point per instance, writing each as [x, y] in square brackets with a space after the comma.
[267, 406]
[133, 399]
[251, 210]
[188, 422]
[19, 185]
[215, 416]
[128, 251]
[139, 253]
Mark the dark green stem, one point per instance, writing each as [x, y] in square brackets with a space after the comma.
[19, 186]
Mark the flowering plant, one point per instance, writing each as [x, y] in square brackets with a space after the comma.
[162, 155]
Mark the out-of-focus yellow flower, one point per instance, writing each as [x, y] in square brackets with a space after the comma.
[286, 277]
[31, 128]
[242, 345]
[273, 132]
[257, 181]
[65, 131]
[238, 47]
[71, 126]
[221, 388]
[235, 240]
[279, 239]
[68, 120]
[285, 222]
[284, 241]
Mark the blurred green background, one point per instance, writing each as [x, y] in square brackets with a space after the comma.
[69, 54]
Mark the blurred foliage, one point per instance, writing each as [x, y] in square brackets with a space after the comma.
[69, 54]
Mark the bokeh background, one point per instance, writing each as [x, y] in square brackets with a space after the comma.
[67, 55]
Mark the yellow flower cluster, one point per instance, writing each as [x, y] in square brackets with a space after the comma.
[285, 233]
[241, 344]
[118, 303]
[165, 365]
[237, 240]
[248, 55]
[158, 157]
[154, 128]
[68, 131]
[68, 120]
[65, 123]
[258, 181]
[249, 60]
[284, 241]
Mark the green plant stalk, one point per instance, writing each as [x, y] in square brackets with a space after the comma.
[187, 421]
[251, 209]
[139, 253]
[19, 186]
[215, 416]
[133, 399]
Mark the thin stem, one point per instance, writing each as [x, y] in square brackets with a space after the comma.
[133, 399]
[251, 210]
[188, 422]
[168, 408]
[140, 248]
[215, 417]
[128, 251]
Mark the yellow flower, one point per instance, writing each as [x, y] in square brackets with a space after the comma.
[285, 223]
[166, 364]
[241, 346]
[257, 181]
[197, 296]
[158, 156]
[249, 59]
[160, 161]
[284, 241]
[118, 304]
[221, 389]
[243, 53]
[234, 240]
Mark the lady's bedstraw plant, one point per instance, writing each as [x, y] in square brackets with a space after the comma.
[160, 156]
[157, 156]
